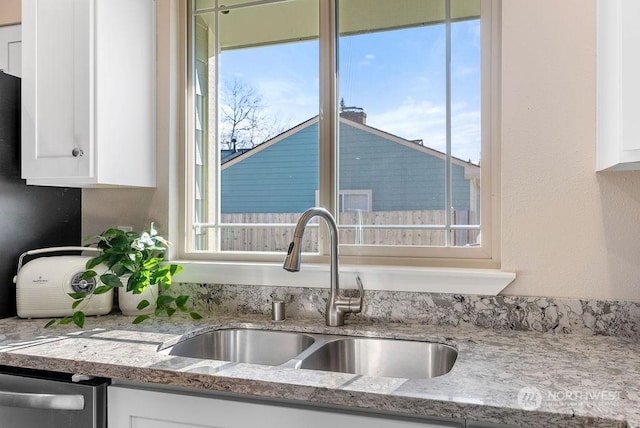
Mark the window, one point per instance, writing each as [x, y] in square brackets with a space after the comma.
[350, 200]
[378, 111]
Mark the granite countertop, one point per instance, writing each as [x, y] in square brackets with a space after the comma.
[520, 378]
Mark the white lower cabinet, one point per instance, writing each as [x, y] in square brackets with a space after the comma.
[134, 407]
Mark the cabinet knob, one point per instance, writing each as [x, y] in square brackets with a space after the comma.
[76, 152]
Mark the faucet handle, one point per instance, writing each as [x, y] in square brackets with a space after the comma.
[355, 303]
[360, 287]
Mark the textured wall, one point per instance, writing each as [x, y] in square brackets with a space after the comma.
[10, 12]
[567, 231]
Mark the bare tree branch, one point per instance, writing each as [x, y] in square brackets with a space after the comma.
[244, 120]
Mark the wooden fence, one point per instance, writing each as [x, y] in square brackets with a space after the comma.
[249, 238]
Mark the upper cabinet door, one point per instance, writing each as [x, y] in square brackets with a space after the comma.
[618, 66]
[10, 50]
[57, 107]
[88, 92]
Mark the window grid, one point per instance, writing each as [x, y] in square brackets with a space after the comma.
[330, 196]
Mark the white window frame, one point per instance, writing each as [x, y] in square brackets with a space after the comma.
[474, 269]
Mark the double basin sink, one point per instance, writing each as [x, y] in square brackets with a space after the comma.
[345, 354]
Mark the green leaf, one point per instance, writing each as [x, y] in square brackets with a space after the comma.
[102, 289]
[95, 261]
[195, 316]
[76, 296]
[50, 323]
[110, 280]
[143, 304]
[65, 320]
[78, 319]
[88, 274]
[110, 233]
[129, 264]
[140, 318]
[151, 263]
[181, 300]
[164, 300]
[121, 243]
[175, 269]
[76, 303]
[171, 311]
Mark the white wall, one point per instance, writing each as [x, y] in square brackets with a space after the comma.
[567, 231]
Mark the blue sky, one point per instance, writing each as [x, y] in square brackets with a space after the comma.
[397, 76]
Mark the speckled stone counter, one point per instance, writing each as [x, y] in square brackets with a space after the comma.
[520, 378]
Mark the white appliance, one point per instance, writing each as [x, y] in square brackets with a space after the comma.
[43, 285]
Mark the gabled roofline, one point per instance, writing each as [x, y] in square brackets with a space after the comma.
[407, 143]
[271, 142]
[363, 127]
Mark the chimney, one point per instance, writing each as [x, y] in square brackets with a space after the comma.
[354, 114]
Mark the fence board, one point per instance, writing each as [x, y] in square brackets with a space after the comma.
[278, 238]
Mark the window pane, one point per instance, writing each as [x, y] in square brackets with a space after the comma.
[409, 123]
[203, 4]
[394, 127]
[465, 130]
[263, 147]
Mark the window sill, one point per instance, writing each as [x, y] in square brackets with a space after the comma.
[389, 278]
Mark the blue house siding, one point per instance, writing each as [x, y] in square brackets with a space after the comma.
[399, 177]
[283, 177]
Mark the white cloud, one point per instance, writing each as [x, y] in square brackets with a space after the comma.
[424, 120]
[289, 99]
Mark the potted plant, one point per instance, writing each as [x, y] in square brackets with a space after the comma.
[134, 263]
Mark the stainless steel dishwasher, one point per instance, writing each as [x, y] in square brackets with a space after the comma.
[34, 398]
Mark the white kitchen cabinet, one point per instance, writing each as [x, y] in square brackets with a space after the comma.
[618, 68]
[132, 407]
[88, 92]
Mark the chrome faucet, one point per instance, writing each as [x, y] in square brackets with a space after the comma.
[337, 305]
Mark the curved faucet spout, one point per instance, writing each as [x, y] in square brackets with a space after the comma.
[337, 306]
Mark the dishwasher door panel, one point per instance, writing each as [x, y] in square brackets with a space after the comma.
[52, 402]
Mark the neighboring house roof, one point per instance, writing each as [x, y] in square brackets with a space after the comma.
[227, 154]
[257, 149]
[472, 170]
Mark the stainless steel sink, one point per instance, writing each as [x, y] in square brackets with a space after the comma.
[346, 354]
[382, 357]
[245, 346]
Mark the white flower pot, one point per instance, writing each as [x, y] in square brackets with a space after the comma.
[128, 302]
